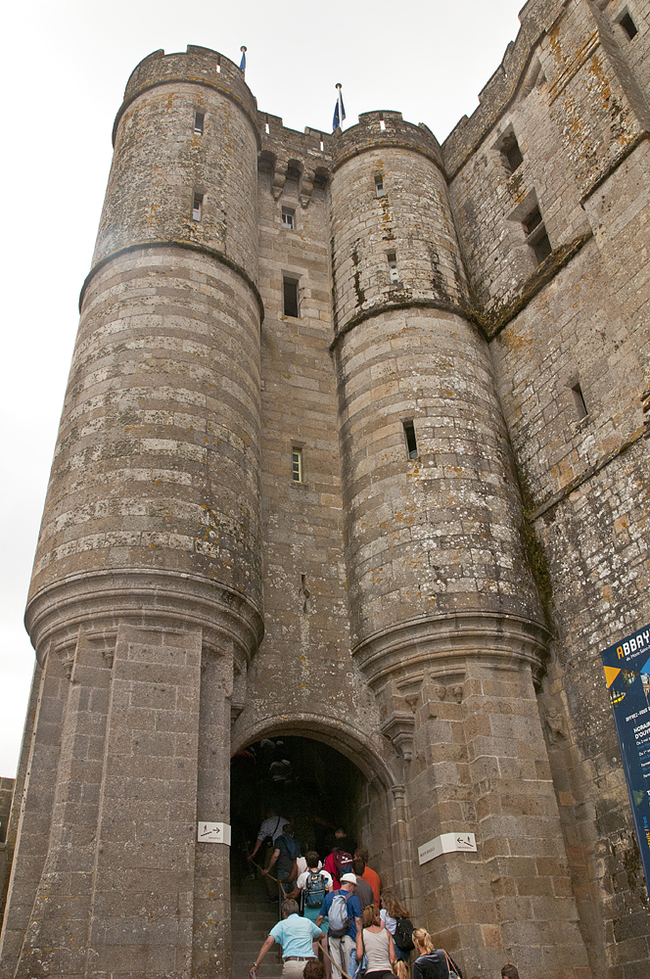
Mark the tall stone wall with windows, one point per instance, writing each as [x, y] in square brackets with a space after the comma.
[569, 342]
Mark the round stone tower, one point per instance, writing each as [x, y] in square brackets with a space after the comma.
[446, 621]
[433, 512]
[146, 587]
[157, 462]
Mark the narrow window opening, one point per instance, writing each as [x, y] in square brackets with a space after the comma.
[290, 296]
[199, 119]
[379, 185]
[580, 403]
[393, 271]
[541, 246]
[628, 25]
[532, 221]
[536, 236]
[218, 64]
[322, 146]
[411, 441]
[288, 218]
[267, 129]
[296, 464]
[197, 207]
[510, 152]
[382, 125]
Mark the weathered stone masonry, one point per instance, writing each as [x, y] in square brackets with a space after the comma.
[464, 386]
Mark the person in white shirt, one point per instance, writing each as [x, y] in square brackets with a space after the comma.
[270, 828]
[313, 884]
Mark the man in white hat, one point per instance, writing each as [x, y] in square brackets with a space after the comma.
[343, 912]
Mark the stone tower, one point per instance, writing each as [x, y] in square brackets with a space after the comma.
[352, 459]
[146, 592]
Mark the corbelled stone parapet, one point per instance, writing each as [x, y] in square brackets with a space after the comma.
[413, 647]
[97, 602]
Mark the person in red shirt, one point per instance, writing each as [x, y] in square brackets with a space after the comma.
[340, 859]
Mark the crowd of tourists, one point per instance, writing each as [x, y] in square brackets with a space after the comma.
[336, 921]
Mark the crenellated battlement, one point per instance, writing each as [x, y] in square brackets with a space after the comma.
[536, 17]
[198, 65]
[379, 129]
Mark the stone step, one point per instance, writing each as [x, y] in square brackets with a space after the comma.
[252, 917]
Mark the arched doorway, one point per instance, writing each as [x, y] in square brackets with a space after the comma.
[306, 781]
[319, 788]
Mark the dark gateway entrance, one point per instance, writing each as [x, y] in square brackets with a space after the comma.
[315, 787]
[305, 781]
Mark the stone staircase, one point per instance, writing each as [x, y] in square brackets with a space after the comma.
[252, 917]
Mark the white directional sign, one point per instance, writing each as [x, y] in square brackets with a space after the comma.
[447, 843]
[213, 833]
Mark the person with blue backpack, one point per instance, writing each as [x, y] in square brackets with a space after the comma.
[311, 887]
[343, 911]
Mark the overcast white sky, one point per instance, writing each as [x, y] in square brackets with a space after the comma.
[65, 65]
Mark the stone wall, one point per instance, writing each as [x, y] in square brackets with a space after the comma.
[6, 798]
[570, 349]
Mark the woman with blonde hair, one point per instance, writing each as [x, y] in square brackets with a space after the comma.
[432, 963]
[376, 944]
[401, 969]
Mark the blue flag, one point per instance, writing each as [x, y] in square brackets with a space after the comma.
[339, 110]
[242, 63]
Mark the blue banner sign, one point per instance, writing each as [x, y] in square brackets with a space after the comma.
[627, 674]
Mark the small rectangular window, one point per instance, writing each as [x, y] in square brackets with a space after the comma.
[409, 436]
[392, 266]
[379, 185]
[288, 218]
[199, 119]
[296, 465]
[290, 296]
[382, 125]
[510, 152]
[197, 206]
[541, 246]
[267, 129]
[580, 403]
[628, 25]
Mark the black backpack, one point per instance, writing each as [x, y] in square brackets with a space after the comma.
[289, 850]
[403, 935]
